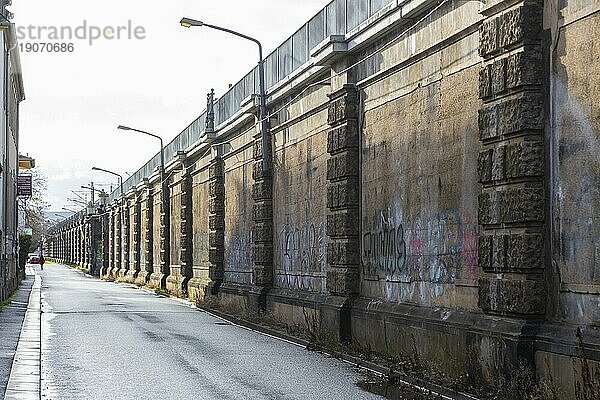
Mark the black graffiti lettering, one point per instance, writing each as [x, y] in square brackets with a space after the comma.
[384, 250]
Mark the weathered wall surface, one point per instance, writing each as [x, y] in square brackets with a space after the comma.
[239, 228]
[300, 198]
[576, 162]
[419, 214]
[175, 226]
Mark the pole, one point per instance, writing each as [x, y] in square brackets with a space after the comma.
[167, 215]
[166, 209]
[263, 109]
[188, 22]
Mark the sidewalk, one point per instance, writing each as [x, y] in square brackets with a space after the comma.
[11, 322]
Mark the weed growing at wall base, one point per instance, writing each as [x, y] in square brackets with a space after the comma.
[4, 304]
[79, 268]
[587, 383]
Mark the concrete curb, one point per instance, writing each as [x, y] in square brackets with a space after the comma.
[24, 382]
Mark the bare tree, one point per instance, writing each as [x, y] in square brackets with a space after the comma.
[35, 206]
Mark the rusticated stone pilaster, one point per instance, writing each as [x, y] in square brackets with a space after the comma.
[511, 166]
[125, 234]
[216, 223]
[118, 240]
[105, 221]
[186, 232]
[165, 233]
[262, 194]
[343, 174]
[177, 282]
[134, 268]
[148, 215]
[96, 250]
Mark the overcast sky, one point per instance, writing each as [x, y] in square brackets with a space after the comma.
[75, 101]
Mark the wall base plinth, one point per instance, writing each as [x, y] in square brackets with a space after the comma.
[142, 278]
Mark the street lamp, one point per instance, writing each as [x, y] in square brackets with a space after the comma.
[162, 149]
[122, 199]
[163, 192]
[188, 23]
[112, 173]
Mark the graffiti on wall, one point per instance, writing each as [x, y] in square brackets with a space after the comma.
[239, 252]
[302, 255]
[437, 249]
[384, 248]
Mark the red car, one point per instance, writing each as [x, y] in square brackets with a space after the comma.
[33, 259]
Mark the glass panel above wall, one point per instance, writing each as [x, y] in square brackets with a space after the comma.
[285, 59]
[316, 30]
[271, 68]
[357, 11]
[300, 47]
[336, 18]
[376, 5]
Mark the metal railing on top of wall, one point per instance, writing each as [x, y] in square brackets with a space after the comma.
[337, 18]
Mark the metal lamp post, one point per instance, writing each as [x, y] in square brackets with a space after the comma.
[188, 23]
[162, 150]
[164, 200]
[122, 199]
[112, 173]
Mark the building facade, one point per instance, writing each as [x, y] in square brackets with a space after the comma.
[11, 89]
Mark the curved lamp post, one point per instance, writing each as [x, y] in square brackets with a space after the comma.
[166, 208]
[162, 152]
[122, 199]
[112, 173]
[188, 23]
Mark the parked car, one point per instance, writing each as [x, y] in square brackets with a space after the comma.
[33, 258]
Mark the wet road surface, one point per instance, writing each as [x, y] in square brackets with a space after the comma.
[111, 341]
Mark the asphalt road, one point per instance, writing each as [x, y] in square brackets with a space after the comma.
[111, 341]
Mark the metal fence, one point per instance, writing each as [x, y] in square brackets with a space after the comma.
[337, 18]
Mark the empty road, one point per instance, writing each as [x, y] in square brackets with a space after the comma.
[111, 341]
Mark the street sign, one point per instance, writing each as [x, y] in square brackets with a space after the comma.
[24, 186]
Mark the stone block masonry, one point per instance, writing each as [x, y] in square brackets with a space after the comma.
[511, 167]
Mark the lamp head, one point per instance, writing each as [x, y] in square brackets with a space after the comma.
[124, 128]
[95, 169]
[188, 22]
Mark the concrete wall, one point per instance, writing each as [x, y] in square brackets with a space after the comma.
[575, 98]
[300, 196]
[431, 188]
[175, 226]
[419, 215]
[239, 229]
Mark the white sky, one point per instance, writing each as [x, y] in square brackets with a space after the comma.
[75, 101]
